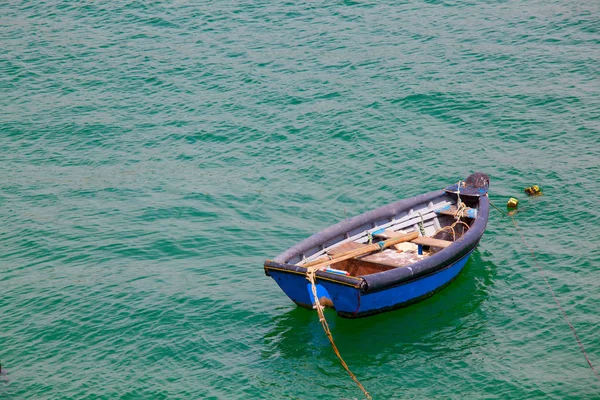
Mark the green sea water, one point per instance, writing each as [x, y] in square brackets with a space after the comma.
[153, 154]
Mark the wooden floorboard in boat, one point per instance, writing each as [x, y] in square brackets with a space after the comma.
[392, 258]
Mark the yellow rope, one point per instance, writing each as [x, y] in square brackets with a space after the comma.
[311, 276]
[460, 210]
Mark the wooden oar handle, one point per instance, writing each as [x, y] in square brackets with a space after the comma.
[363, 250]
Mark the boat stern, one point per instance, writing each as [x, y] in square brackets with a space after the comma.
[338, 292]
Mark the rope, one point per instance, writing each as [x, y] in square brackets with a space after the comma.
[460, 213]
[460, 210]
[447, 228]
[501, 212]
[551, 291]
[311, 276]
[421, 224]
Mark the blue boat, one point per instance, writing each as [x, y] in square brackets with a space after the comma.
[390, 257]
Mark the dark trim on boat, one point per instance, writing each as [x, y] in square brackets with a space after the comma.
[355, 282]
[395, 306]
[423, 271]
[393, 277]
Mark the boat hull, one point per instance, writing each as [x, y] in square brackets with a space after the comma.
[366, 285]
[352, 302]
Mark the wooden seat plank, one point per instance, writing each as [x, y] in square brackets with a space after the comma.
[429, 241]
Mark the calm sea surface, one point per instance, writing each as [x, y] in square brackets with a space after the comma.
[153, 154]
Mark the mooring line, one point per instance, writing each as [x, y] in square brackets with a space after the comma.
[551, 291]
[310, 275]
[501, 212]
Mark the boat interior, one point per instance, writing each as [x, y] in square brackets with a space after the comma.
[438, 224]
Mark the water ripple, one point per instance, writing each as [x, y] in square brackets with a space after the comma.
[154, 154]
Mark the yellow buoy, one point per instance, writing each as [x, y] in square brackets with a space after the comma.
[512, 203]
[533, 191]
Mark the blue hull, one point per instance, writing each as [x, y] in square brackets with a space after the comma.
[383, 279]
[350, 302]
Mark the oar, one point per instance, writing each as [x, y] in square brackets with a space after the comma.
[315, 265]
